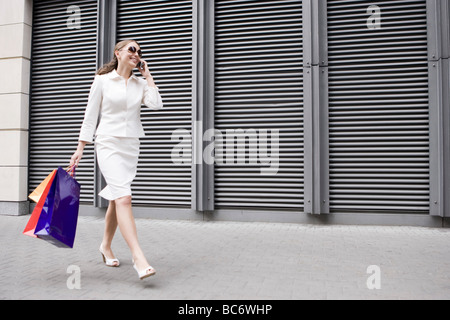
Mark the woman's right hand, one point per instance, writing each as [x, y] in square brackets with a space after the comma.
[76, 158]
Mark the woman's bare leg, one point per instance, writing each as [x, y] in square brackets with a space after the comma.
[110, 229]
[127, 227]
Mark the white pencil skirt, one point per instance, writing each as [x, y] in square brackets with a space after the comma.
[117, 158]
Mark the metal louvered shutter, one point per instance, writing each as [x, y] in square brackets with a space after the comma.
[379, 111]
[63, 69]
[259, 85]
[164, 31]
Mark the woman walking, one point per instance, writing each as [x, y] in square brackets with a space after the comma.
[116, 97]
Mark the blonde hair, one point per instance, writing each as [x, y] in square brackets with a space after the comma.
[114, 63]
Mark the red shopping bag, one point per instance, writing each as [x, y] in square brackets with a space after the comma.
[32, 222]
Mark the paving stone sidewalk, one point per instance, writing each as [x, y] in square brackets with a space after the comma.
[231, 261]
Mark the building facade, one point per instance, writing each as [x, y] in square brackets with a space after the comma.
[275, 110]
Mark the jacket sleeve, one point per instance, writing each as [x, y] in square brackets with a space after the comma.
[152, 99]
[92, 111]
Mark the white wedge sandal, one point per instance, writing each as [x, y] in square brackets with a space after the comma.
[147, 272]
[113, 263]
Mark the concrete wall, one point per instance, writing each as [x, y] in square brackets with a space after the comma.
[15, 56]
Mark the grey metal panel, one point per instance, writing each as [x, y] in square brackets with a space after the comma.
[315, 51]
[440, 137]
[316, 141]
[259, 85]
[203, 103]
[316, 131]
[438, 33]
[438, 14]
[63, 69]
[379, 117]
[164, 31]
[107, 29]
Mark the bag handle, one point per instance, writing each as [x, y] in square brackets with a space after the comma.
[71, 170]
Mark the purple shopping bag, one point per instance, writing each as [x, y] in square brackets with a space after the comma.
[57, 223]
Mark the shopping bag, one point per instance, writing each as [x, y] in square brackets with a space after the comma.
[57, 223]
[31, 225]
[38, 192]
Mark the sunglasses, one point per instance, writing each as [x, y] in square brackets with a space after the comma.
[132, 49]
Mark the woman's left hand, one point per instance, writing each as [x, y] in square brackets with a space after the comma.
[143, 69]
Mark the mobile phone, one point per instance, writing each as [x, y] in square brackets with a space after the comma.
[139, 65]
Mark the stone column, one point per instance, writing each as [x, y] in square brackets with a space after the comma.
[15, 54]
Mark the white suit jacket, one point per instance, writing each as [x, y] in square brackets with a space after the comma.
[118, 105]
